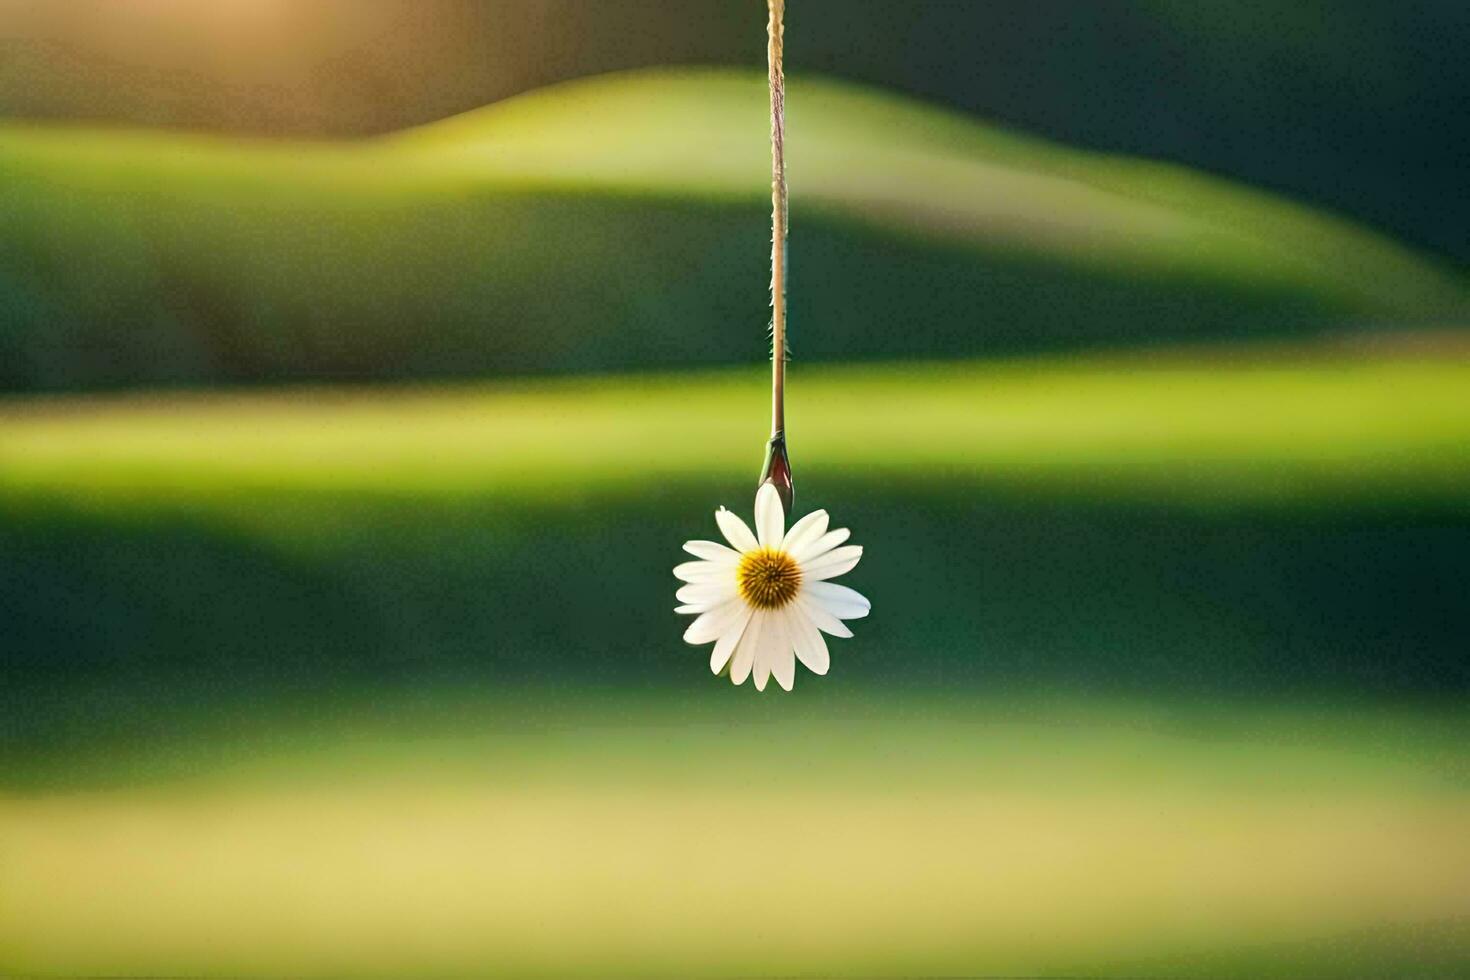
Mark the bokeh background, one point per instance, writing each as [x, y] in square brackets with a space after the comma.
[364, 365]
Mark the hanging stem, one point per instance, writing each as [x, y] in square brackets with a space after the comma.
[777, 469]
[774, 35]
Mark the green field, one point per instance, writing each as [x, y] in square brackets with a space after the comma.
[724, 835]
[1275, 427]
[1165, 674]
[1164, 677]
[341, 528]
[620, 222]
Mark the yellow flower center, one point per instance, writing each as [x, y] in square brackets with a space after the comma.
[768, 579]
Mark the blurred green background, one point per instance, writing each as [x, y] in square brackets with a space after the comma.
[365, 365]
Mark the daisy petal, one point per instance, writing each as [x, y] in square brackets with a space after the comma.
[839, 600]
[701, 607]
[736, 531]
[771, 639]
[822, 545]
[710, 551]
[784, 669]
[745, 650]
[838, 561]
[707, 591]
[719, 657]
[809, 528]
[783, 661]
[770, 520]
[822, 619]
[701, 571]
[710, 626]
[811, 649]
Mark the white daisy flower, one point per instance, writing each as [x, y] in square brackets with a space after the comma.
[766, 601]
